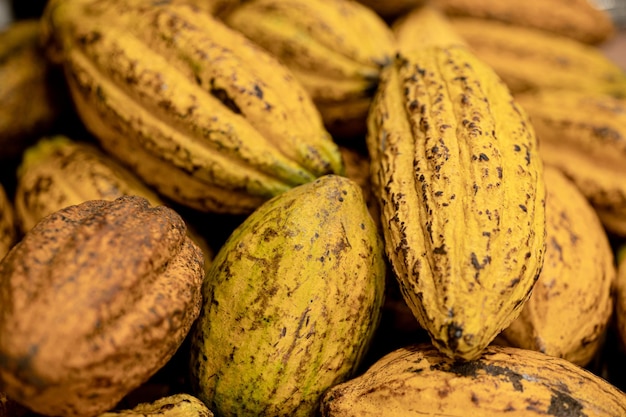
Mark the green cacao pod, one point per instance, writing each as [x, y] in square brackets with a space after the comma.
[291, 303]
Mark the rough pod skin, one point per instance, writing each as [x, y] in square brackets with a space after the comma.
[335, 48]
[93, 301]
[199, 112]
[529, 59]
[580, 20]
[417, 381]
[459, 180]
[57, 172]
[291, 303]
[177, 405]
[572, 301]
[584, 136]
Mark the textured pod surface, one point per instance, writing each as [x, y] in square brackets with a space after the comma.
[456, 170]
[336, 49]
[29, 103]
[584, 136]
[177, 405]
[93, 301]
[57, 172]
[572, 302]
[530, 59]
[291, 303]
[8, 230]
[423, 27]
[580, 20]
[208, 118]
[504, 382]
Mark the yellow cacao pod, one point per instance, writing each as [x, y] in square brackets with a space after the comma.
[206, 117]
[572, 302]
[417, 380]
[459, 180]
[580, 20]
[584, 136]
[335, 48]
[531, 59]
[291, 303]
[57, 172]
[177, 405]
[424, 27]
[94, 300]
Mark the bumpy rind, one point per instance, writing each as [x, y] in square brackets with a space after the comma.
[572, 302]
[93, 301]
[584, 136]
[209, 119]
[291, 303]
[579, 20]
[336, 49]
[459, 180]
[503, 382]
[529, 59]
[177, 405]
[57, 172]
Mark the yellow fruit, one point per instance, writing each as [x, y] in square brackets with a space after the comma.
[57, 172]
[531, 59]
[424, 27]
[197, 111]
[458, 177]
[584, 136]
[291, 303]
[417, 380]
[571, 304]
[580, 20]
[335, 48]
[177, 405]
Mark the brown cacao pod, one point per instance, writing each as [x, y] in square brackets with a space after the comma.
[93, 301]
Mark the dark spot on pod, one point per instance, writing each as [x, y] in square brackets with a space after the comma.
[257, 91]
[440, 250]
[523, 207]
[455, 333]
[473, 368]
[517, 148]
[483, 157]
[222, 95]
[166, 407]
[563, 405]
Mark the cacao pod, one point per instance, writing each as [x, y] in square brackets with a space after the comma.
[93, 301]
[418, 380]
[206, 117]
[458, 177]
[291, 303]
[572, 303]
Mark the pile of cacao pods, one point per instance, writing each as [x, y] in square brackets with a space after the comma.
[312, 208]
